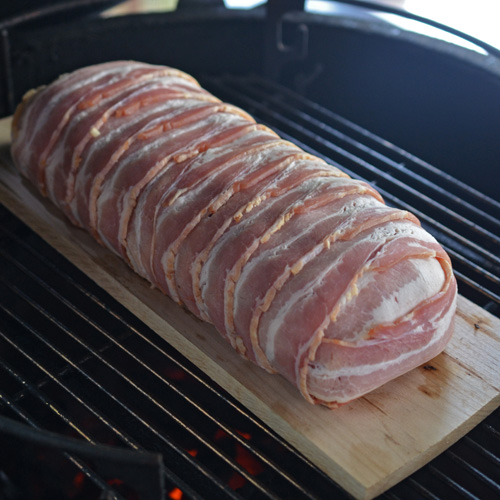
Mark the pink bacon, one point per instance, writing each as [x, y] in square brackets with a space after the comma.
[305, 271]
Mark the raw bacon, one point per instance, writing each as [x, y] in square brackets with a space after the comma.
[305, 271]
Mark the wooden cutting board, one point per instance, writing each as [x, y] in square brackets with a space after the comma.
[366, 446]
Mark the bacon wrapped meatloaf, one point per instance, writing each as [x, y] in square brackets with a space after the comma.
[305, 271]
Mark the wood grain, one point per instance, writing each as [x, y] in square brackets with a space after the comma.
[366, 446]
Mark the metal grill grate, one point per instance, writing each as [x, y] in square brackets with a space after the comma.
[465, 221]
[75, 362]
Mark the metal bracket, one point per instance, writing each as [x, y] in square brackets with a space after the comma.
[141, 470]
[277, 52]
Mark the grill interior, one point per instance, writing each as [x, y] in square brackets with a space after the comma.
[77, 368]
[74, 362]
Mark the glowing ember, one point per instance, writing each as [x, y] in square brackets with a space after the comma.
[114, 482]
[175, 494]
[220, 434]
[248, 461]
[174, 373]
[245, 435]
[78, 479]
[236, 481]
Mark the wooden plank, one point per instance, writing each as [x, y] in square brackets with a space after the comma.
[366, 446]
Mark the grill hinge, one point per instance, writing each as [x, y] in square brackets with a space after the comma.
[278, 51]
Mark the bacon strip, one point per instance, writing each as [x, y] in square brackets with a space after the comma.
[305, 271]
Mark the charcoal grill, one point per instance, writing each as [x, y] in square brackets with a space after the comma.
[93, 404]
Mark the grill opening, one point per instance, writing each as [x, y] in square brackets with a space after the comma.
[80, 368]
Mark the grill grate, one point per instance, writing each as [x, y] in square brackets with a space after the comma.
[75, 362]
[72, 384]
[466, 222]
